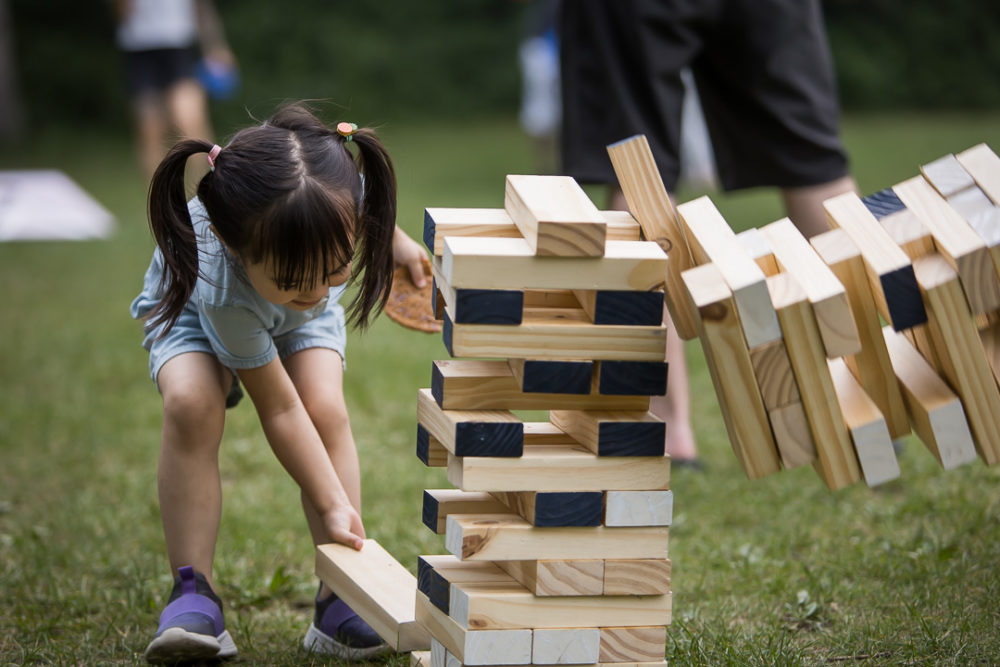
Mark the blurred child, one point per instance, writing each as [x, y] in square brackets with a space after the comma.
[244, 288]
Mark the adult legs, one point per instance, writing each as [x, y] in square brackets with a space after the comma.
[805, 205]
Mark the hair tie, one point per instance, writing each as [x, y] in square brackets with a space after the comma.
[212, 154]
[346, 130]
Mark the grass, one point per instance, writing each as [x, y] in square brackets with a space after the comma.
[773, 572]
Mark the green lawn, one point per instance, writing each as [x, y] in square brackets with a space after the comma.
[777, 571]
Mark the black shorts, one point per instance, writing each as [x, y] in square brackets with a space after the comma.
[156, 70]
[763, 72]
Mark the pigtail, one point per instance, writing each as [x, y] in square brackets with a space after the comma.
[170, 223]
[377, 224]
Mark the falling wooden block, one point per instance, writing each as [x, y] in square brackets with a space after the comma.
[555, 216]
[565, 646]
[648, 200]
[981, 213]
[792, 435]
[990, 337]
[984, 166]
[947, 175]
[756, 245]
[775, 379]
[634, 644]
[636, 576]
[549, 577]
[554, 508]
[639, 508]
[509, 537]
[377, 588]
[471, 432]
[420, 658]
[936, 412]
[613, 433]
[474, 647]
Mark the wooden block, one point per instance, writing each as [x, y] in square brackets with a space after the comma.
[871, 366]
[474, 647]
[378, 588]
[956, 242]
[498, 263]
[555, 338]
[549, 577]
[836, 462]
[420, 659]
[990, 337]
[712, 240]
[490, 385]
[908, 233]
[979, 211]
[635, 644]
[565, 646]
[439, 503]
[551, 376]
[883, 203]
[960, 352]
[471, 432]
[435, 575]
[635, 576]
[826, 294]
[648, 200]
[984, 166]
[613, 433]
[889, 270]
[578, 469]
[509, 537]
[732, 371]
[500, 606]
[555, 216]
[754, 243]
[544, 433]
[792, 435]
[775, 378]
[430, 450]
[554, 508]
[869, 432]
[642, 378]
[935, 410]
[622, 307]
[947, 175]
[639, 508]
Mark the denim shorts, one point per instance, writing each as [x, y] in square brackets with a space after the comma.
[326, 331]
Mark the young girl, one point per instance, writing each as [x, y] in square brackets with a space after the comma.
[243, 288]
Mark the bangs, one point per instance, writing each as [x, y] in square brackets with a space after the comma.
[305, 237]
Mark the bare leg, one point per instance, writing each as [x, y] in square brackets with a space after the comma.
[805, 205]
[151, 130]
[188, 107]
[194, 388]
[318, 375]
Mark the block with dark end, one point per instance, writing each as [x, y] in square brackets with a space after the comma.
[626, 378]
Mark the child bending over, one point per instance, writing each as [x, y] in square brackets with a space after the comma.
[243, 288]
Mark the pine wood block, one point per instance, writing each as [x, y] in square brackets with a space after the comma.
[476, 306]
[990, 337]
[792, 435]
[550, 577]
[420, 659]
[836, 462]
[650, 203]
[935, 410]
[947, 175]
[439, 503]
[872, 365]
[732, 371]
[756, 245]
[906, 230]
[613, 433]
[984, 166]
[627, 307]
[509, 537]
[869, 432]
[982, 215]
[471, 432]
[825, 292]
[474, 647]
[565, 646]
[378, 588]
[579, 469]
[554, 508]
[555, 338]
[498, 263]
[634, 644]
[712, 240]
[960, 352]
[553, 376]
[435, 574]
[625, 378]
[889, 270]
[957, 243]
[555, 216]
[638, 508]
[510, 606]
[775, 379]
[636, 576]
[490, 385]
[430, 450]
[545, 433]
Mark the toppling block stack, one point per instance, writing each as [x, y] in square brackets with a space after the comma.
[792, 331]
[557, 530]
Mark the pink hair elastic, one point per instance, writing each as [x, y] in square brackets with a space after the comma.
[212, 154]
[346, 130]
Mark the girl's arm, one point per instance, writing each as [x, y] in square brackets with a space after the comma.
[408, 252]
[298, 446]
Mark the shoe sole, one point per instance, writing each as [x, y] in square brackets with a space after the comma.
[178, 645]
[320, 643]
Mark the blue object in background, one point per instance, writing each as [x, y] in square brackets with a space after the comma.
[221, 80]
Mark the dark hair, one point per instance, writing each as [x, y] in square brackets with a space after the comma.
[288, 192]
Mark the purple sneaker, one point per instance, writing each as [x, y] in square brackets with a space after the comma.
[336, 630]
[191, 625]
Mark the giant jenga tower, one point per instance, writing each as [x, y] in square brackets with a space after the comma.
[557, 529]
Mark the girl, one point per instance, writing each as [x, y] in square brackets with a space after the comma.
[243, 288]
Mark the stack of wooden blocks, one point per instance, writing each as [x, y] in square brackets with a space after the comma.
[793, 332]
[557, 529]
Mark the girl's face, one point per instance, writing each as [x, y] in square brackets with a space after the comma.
[295, 297]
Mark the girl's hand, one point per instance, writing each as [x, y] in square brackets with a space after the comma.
[343, 524]
[408, 252]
